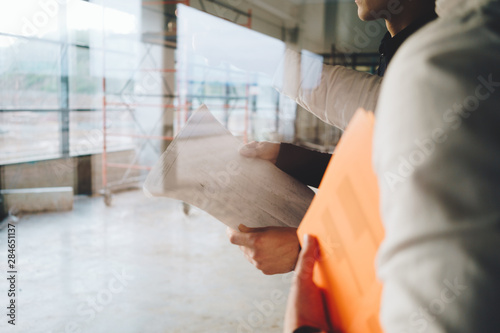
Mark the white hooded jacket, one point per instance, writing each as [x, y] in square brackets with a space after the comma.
[437, 158]
[331, 93]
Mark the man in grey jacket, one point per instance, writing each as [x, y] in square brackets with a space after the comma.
[436, 155]
[438, 165]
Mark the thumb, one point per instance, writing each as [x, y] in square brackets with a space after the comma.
[308, 256]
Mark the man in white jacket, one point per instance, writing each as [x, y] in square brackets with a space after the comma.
[436, 155]
[440, 261]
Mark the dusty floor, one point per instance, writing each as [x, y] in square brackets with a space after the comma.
[138, 266]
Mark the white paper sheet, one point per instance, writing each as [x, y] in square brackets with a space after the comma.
[203, 167]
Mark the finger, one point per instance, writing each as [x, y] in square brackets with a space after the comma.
[268, 151]
[252, 144]
[264, 148]
[249, 150]
[239, 238]
[230, 231]
[308, 257]
[245, 229]
[232, 234]
[248, 256]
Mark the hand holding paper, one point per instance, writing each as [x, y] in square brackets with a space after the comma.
[267, 151]
[273, 250]
[203, 167]
[306, 306]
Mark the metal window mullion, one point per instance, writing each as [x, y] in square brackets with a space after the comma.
[64, 87]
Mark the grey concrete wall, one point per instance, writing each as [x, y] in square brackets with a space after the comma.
[51, 199]
[51, 173]
[63, 173]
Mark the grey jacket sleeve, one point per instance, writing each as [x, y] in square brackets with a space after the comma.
[332, 93]
[436, 155]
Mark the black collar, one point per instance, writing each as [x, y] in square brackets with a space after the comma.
[389, 45]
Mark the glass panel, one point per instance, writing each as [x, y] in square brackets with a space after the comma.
[31, 75]
[85, 78]
[31, 19]
[27, 136]
[86, 133]
[230, 69]
[81, 29]
[30, 82]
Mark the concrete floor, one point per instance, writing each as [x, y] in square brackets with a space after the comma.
[138, 266]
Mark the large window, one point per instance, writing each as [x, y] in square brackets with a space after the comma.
[30, 100]
[52, 56]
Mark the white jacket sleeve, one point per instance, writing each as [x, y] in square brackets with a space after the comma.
[436, 155]
[332, 93]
